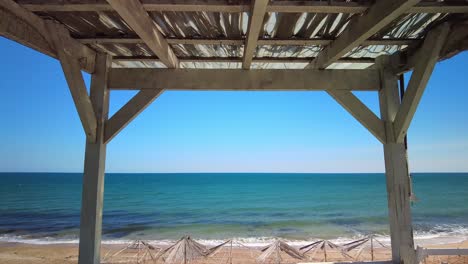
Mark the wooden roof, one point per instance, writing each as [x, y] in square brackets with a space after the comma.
[215, 33]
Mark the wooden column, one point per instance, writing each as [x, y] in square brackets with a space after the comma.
[94, 166]
[396, 172]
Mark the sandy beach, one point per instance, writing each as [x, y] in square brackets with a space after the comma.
[19, 253]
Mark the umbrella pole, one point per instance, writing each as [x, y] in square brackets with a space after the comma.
[230, 254]
[372, 247]
[325, 251]
[277, 257]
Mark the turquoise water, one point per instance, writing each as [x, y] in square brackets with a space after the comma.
[217, 206]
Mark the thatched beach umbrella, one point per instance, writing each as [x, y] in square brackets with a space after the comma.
[137, 251]
[324, 246]
[360, 245]
[211, 252]
[274, 250]
[186, 250]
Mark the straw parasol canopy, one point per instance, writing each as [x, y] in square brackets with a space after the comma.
[274, 250]
[362, 244]
[185, 250]
[324, 246]
[137, 251]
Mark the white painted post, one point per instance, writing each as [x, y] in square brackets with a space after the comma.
[94, 167]
[396, 171]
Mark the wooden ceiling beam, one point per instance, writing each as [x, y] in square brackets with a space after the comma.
[257, 16]
[133, 13]
[24, 27]
[224, 6]
[240, 42]
[239, 59]
[361, 28]
[242, 80]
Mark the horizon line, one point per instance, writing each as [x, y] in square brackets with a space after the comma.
[383, 172]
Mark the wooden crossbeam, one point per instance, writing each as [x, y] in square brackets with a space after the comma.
[361, 112]
[26, 28]
[76, 84]
[255, 26]
[429, 54]
[128, 112]
[226, 7]
[239, 59]
[240, 42]
[242, 80]
[138, 19]
[361, 28]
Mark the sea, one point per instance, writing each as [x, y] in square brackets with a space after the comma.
[252, 208]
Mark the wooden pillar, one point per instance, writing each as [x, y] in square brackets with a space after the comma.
[94, 166]
[396, 171]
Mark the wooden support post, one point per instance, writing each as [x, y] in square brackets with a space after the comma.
[129, 112]
[360, 111]
[93, 177]
[76, 84]
[428, 55]
[396, 172]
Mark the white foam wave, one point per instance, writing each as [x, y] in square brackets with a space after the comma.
[442, 234]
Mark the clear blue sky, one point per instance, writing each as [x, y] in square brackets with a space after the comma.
[221, 131]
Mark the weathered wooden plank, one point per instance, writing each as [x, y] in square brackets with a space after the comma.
[26, 28]
[425, 63]
[361, 112]
[239, 59]
[353, 262]
[94, 167]
[255, 26]
[138, 19]
[423, 253]
[129, 111]
[240, 42]
[225, 6]
[396, 171]
[361, 28]
[76, 84]
[261, 80]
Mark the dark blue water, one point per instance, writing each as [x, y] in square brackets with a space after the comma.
[217, 205]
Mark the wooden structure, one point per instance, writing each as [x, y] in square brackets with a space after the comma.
[423, 253]
[337, 46]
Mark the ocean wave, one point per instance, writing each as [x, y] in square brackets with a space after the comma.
[440, 234]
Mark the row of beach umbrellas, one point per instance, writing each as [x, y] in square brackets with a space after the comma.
[186, 251]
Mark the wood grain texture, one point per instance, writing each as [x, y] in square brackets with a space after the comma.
[361, 28]
[425, 63]
[129, 111]
[133, 13]
[361, 112]
[242, 80]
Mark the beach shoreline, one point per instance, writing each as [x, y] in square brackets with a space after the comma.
[24, 253]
